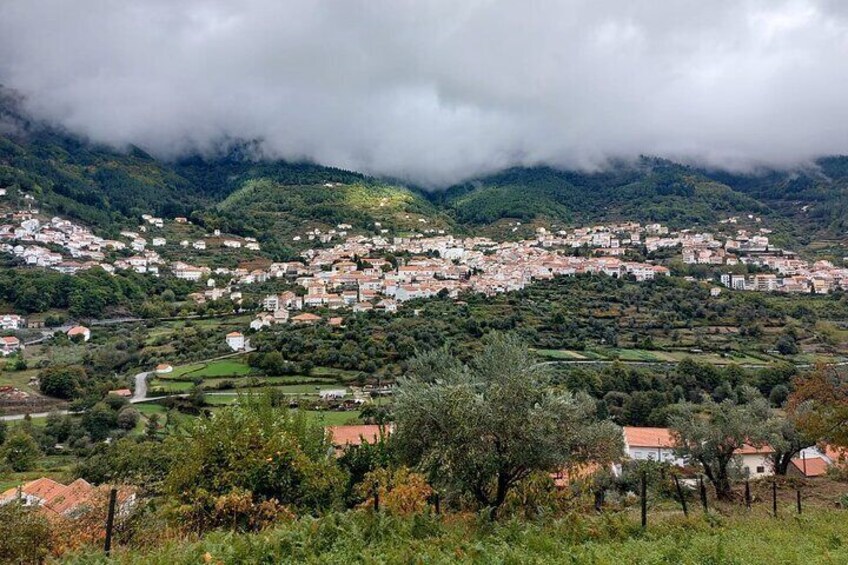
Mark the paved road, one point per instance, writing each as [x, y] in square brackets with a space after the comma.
[13, 417]
[140, 386]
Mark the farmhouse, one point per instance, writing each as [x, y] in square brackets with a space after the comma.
[654, 444]
[82, 331]
[9, 345]
[235, 340]
[305, 318]
[65, 500]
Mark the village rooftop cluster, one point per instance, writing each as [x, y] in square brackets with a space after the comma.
[356, 275]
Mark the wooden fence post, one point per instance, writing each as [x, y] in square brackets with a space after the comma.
[680, 494]
[704, 495]
[644, 500]
[747, 494]
[438, 504]
[110, 520]
[774, 497]
[798, 498]
[376, 497]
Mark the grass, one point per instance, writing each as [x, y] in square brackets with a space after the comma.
[231, 367]
[359, 536]
[649, 356]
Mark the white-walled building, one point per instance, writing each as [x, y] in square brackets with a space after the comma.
[235, 340]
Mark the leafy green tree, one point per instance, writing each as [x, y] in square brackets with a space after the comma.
[128, 418]
[710, 433]
[21, 451]
[257, 453]
[787, 345]
[787, 440]
[62, 381]
[151, 429]
[819, 403]
[99, 421]
[480, 429]
[143, 463]
[26, 534]
[59, 427]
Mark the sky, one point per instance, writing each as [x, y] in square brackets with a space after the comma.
[436, 92]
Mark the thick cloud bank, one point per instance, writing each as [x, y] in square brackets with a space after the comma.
[439, 91]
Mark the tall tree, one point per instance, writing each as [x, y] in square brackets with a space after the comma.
[787, 438]
[822, 396]
[481, 428]
[710, 433]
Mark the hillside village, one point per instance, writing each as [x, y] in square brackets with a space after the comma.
[355, 274]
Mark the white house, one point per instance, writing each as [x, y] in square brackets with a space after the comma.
[11, 322]
[235, 340]
[654, 444]
[79, 331]
[657, 444]
[9, 345]
[755, 461]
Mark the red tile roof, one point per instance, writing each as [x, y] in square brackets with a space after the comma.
[72, 497]
[810, 466]
[648, 437]
[662, 437]
[751, 450]
[355, 435]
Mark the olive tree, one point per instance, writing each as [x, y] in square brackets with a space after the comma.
[712, 432]
[480, 428]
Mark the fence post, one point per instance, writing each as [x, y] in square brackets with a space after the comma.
[644, 500]
[704, 495]
[798, 498]
[438, 504]
[747, 494]
[376, 497]
[774, 498]
[110, 520]
[680, 494]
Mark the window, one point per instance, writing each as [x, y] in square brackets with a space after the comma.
[761, 469]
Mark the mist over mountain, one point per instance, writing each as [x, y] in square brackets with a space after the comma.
[436, 93]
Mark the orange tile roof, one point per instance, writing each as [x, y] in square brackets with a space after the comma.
[306, 316]
[71, 498]
[648, 437]
[42, 488]
[77, 330]
[752, 450]
[355, 435]
[811, 466]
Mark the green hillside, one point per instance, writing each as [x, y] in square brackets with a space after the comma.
[652, 190]
[275, 212]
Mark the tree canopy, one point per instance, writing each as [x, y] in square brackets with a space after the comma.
[479, 429]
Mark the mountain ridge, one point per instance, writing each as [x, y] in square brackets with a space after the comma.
[106, 187]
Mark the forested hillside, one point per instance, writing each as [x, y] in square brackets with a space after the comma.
[650, 190]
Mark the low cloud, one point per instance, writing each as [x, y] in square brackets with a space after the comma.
[437, 92]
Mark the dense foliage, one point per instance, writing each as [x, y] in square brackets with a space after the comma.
[480, 429]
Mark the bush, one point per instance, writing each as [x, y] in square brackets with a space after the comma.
[128, 418]
[26, 534]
